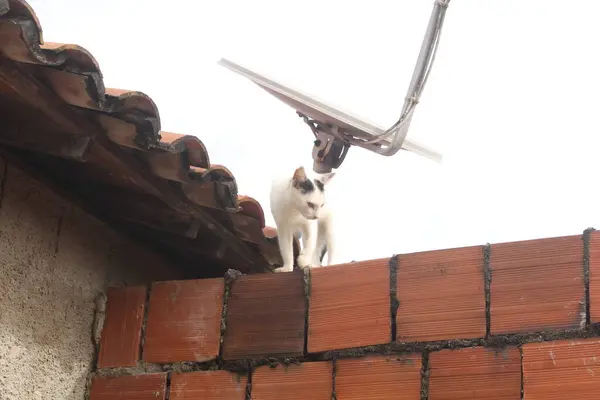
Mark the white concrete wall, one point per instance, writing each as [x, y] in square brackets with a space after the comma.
[54, 261]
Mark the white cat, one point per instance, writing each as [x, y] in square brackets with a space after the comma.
[297, 204]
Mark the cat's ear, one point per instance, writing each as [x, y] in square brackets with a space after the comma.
[299, 175]
[327, 177]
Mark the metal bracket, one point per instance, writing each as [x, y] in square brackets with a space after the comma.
[329, 150]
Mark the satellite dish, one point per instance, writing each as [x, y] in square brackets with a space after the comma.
[336, 130]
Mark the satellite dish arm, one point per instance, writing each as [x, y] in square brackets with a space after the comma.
[332, 144]
[420, 76]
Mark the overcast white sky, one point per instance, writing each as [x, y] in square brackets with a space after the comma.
[511, 103]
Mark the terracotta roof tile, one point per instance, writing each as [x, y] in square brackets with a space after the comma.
[62, 84]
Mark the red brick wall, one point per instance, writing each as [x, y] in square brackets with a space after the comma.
[493, 322]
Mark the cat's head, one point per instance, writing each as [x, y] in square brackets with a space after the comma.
[308, 193]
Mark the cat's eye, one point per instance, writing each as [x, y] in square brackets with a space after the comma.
[311, 205]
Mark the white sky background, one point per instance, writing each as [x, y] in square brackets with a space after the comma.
[511, 103]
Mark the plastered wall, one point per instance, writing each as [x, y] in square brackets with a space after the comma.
[55, 261]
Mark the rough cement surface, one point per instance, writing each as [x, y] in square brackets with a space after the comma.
[55, 260]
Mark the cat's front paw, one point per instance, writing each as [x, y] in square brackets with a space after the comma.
[316, 263]
[304, 261]
[283, 269]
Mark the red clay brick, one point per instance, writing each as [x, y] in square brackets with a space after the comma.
[265, 316]
[379, 378]
[475, 373]
[441, 295]
[208, 385]
[349, 306]
[139, 387]
[565, 369]
[595, 276]
[307, 381]
[121, 334]
[537, 285]
[184, 321]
